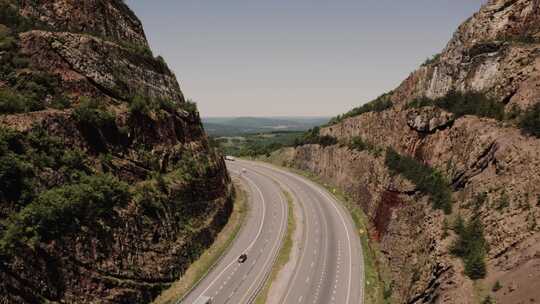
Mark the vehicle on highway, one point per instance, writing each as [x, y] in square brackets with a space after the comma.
[203, 300]
[230, 158]
[244, 170]
[242, 258]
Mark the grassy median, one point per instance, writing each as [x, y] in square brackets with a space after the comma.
[203, 265]
[284, 251]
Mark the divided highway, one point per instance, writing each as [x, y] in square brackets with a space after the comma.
[330, 266]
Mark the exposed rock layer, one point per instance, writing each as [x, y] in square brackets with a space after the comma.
[133, 253]
[495, 52]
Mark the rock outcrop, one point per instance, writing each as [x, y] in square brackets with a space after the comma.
[497, 53]
[85, 100]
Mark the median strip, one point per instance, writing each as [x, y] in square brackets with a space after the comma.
[284, 252]
[209, 258]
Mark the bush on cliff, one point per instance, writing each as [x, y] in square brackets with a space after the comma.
[426, 179]
[23, 156]
[471, 247]
[530, 121]
[312, 137]
[62, 210]
[141, 105]
[469, 103]
[92, 113]
[378, 105]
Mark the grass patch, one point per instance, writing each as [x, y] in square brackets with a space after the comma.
[204, 264]
[284, 251]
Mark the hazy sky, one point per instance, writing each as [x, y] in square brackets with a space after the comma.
[295, 57]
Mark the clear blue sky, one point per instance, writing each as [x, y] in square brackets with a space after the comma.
[295, 57]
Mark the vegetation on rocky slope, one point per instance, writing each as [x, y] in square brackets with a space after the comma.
[380, 104]
[124, 164]
[469, 103]
[313, 137]
[470, 246]
[427, 180]
[530, 121]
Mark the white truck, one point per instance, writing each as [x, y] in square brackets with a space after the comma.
[230, 158]
[203, 300]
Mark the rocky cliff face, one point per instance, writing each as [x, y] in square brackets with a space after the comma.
[109, 187]
[491, 166]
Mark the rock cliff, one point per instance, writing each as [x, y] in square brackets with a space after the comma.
[109, 186]
[488, 161]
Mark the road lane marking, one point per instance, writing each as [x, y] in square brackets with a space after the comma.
[252, 243]
[275, 248]
[334, 205]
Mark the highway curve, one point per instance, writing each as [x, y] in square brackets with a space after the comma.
[260, 238]
[329, 269]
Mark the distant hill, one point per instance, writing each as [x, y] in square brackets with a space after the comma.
[229, 126]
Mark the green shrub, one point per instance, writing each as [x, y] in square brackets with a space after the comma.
[356, 143]
[380, 104]
[427, 180]
[497, 286]
[9, 16]
[190, 106]
[470, 246]
[460, 104]
[60, 102]
[503, 202]
[433, 59]
[312, 137]
[93, 113]
[15, 178]
[145, 105]
[62, 210]
[12, 102]
[530, 121]
[139, 105]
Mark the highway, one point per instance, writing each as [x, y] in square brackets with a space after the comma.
[330, 265]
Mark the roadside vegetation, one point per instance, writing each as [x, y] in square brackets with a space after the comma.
[428, 180]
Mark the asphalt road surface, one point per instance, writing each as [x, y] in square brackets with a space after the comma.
[260, 238]
[330, 266]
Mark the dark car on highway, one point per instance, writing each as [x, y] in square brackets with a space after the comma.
[242, 258]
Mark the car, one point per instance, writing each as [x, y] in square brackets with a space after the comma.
[230, 158]
[242, 258]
